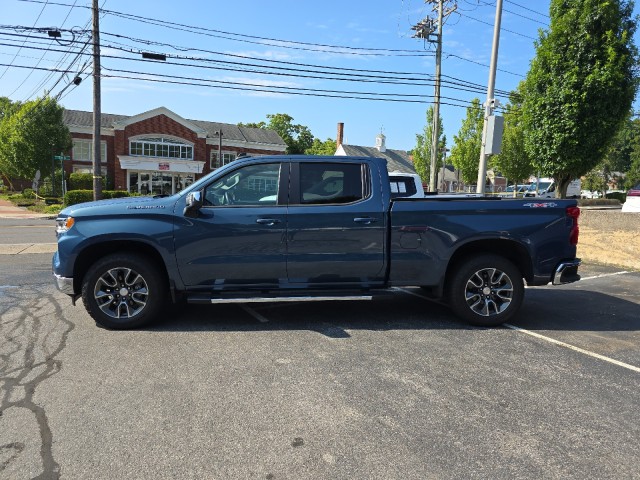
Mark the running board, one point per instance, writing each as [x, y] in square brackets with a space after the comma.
[275, 298]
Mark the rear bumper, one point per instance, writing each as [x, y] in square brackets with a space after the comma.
[567, 272]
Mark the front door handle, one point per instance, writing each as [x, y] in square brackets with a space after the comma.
[365, 220]
[267, 221]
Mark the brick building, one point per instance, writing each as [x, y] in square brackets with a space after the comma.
[160, 152]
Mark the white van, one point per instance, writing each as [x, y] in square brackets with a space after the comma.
[547, 189]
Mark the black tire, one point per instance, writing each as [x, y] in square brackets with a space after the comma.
[124, 290]
[486, 290]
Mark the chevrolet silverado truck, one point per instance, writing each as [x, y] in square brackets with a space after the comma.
[293, 228]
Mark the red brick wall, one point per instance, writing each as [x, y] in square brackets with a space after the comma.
[160, 125]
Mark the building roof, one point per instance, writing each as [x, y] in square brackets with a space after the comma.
[82, 119]
[397, 160]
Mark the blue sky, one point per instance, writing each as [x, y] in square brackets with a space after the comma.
[368, 45]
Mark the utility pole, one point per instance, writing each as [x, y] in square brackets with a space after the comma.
[426, 29]
[219, 134]
[97, 169]
[490, 104]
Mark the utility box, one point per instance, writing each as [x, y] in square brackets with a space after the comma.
[495, 128]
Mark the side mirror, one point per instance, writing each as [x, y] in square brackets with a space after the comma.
[193, 204]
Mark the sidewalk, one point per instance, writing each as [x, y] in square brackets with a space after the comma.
[9, 210]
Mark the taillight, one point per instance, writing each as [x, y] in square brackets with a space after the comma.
[574, 213]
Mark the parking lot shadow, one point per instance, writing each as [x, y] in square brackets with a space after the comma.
[549, 308]
[332, 318]
[577, 310]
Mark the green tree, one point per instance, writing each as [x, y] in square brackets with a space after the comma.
[30, 135]
[618, 157]
[7, 107]
[465, 153]
[328, 147]
[580, 86]
[633, 174]
[422, 151]
[513, 162]
[298, 138]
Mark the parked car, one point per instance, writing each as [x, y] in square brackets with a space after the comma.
[547, 189]
[632, 203]
[590, 194]
[519, 191]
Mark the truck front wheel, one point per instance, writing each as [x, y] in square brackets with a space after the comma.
[123, 291]
[485, 290]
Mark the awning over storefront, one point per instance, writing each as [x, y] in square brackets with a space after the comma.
[155, 164]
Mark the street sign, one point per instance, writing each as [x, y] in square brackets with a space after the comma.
[62, 157]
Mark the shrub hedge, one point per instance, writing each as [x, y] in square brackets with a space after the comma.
[82, 181]
[621, 196]
[73, 197]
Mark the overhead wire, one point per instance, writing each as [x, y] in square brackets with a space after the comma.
[359, 75]
[181, 80]
[43, 53]
[34, 24]
[321, 72]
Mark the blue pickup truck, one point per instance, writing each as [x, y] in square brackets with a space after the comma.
[282, 228]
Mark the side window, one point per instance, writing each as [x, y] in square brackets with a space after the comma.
[253, 185]
[322, 183]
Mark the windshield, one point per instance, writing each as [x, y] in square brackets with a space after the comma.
[543, 186]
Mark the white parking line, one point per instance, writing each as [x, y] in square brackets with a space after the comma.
[254, 314]
[551, 340]
[576, 349]
[603, 275]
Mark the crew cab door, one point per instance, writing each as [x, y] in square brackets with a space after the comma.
[238, 235]
[336, 225]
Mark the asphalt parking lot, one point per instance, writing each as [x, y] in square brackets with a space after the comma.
[392, 388]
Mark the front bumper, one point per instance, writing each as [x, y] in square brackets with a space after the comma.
[64, 284]
[567, 272]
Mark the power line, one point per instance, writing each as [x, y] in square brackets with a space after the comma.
[43, 53]
[528, 9]
[491, 25]
[131, 49]
[449, 82]
[453, 55]
[34, 24]
[490, 4]
[179, 80]
[253, 39]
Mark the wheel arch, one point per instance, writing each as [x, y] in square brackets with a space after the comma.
[513, 251]
[95, 252]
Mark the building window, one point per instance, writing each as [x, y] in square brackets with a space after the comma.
[161, 147]
[88, 169]
[227, 157]
[83, 151]
[158, 183]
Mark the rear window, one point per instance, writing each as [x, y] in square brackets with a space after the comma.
[330, 183]
[402, 186]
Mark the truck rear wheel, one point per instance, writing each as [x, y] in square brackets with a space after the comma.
[486, 290]
[123, 291]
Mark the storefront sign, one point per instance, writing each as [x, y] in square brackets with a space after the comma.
[163, 166]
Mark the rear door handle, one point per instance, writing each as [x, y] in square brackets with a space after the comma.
[365, 220]
[267, 221]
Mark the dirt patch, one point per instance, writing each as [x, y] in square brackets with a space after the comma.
[610, 237]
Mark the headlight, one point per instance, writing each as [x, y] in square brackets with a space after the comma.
[63, 224]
